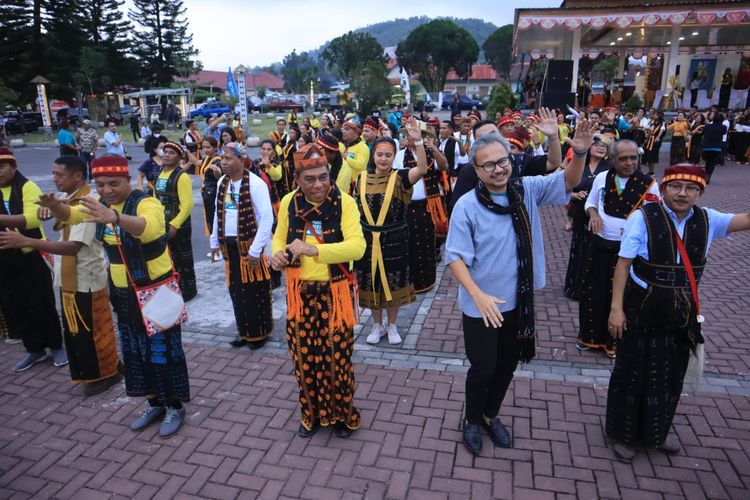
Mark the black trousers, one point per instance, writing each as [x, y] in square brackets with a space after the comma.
[30, 301]
[712, 158]
[493, 354]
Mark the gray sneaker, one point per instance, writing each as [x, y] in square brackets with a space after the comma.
[13, 341]
[150, 415]
[30, 360]
[59, 356]
[172, 422]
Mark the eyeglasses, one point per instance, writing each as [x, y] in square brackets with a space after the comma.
[490, 166]
[628, 158]
[689, 188]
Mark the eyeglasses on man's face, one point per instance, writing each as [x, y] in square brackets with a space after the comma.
[677, 187]
[490, 166]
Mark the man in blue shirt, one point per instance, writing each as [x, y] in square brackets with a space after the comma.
[66, 140]
[496, 252]
[655, 310]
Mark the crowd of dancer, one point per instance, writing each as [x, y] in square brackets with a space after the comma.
[356, 212]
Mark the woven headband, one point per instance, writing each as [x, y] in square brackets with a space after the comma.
[384, 144]
[110, 171]
[697, 179]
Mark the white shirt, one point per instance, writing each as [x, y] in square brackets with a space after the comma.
[726, 124]
[612, 227]
[461, 139]
[261, 207]
[419, 193]
[645, 123]
[109, 139]
[456, 154]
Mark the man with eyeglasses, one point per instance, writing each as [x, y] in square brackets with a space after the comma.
[655, 312]
[614, 195]
[495, 250]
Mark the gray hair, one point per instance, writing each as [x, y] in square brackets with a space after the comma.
[485, 140]
[615, 146]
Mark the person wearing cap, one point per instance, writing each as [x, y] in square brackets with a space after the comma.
[154, 366]
[655, 313]
[517, 118]
[384, 195]
[317, 236]
[286, 184]
[354, 150]
[370, 131]
[25, 280]
[174, 189]
[597, 161]
[506, 125]
[243, 221]
[427, 213]
[338, 168]
[81, 274]
[495, 249]
[614, 195]
[88, 141]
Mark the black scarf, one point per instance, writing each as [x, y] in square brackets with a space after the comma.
[525, 339]
[621, 205]
[335, 167]
[16, 208]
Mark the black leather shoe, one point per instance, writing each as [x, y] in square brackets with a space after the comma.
[238, 342]
[498, 433]
[341, 430]
[256, 344]
[304, 433]
[473, 438]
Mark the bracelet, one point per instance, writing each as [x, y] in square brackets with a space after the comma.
[584, 153]
[419, 143]
[117, 217]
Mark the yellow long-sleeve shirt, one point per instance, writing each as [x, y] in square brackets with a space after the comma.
[356, 157]
[151, 210]
[274, 172]
[30, 193]
[352, 248]
[344, 179]
[184, 192]
[679, 129]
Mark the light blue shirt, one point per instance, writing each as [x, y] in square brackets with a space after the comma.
[109, 139]
[635, 235]
[486, 241]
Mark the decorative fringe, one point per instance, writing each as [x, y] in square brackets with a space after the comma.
[294, 306]
[342, 314]
[446, 182]
[252, 275]
[71, 312]
[437, 214]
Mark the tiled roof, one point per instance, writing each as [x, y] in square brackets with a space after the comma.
[218, 79]
[478, 72]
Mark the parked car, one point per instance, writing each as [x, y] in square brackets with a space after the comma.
[210, 108]
[330, 101]
[464, 102]
[284, 104]
[20, 123]
[254, 103]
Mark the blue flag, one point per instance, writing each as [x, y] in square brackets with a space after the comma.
[231, 85]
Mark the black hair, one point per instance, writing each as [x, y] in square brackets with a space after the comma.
[189, 122]
[336, 132]
[230, 131]
[268, 141]
[211, 140]
[72, 164]
[379, 140]
[482, 124]
[392, 128]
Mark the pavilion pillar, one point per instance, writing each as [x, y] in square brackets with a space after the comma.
[575, 55]
[674, 51]
[622, 55]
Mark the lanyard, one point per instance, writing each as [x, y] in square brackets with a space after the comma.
[691, 276]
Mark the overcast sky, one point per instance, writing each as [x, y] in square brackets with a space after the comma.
[257, 33]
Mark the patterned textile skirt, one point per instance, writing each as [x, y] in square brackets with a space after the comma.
[422, 246]
[646, 382]
[394, 245]
[154, 366]
[251, 301]
[651, 155]
[596, 294]
[208, 193]
[181, 249]
[92, 353]
[322, 362]
[579, 242]
[678, 151]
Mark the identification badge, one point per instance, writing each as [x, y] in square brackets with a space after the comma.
[700, 318]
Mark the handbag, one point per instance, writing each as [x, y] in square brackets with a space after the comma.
[349, 276]
[160, 303]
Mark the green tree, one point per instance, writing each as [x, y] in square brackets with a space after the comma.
[162, 40]
[343, 54]
[16, 34]
[502, 97]
[433, 49]
[92, 66]
[261, 91]
[63, 40]
[370, 84]
[498, 49]
[606, 68]
[298, 70]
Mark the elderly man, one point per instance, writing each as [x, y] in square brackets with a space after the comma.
[88, 140]
[500, 222]
[614, 195]
[317, 236]
[655, 313]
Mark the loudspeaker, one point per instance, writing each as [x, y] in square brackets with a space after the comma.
[559, 76]
[558, 100]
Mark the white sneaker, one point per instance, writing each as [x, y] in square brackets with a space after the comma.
[377, 333]
[393, 336]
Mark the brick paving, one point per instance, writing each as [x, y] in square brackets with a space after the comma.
[239, 440]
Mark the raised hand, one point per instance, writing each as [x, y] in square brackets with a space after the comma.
[547, 123]
[584, 136]
[48, 200]
[97, 212]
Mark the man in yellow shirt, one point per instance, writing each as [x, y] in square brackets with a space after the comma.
[28, 299]
[155, 366]
[317, 235]
[174, 189]
[355, 150]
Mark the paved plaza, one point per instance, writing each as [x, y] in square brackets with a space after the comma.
[239, 440]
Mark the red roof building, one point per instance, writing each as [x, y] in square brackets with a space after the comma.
[483, 77]
[217, 80]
